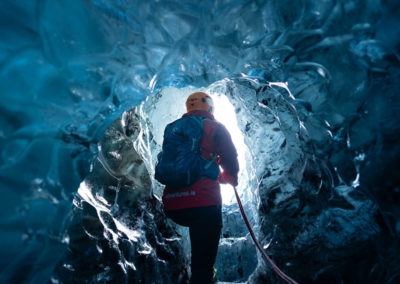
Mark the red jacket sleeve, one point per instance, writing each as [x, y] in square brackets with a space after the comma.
[227, 152]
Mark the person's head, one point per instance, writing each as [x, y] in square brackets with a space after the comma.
[199, 101]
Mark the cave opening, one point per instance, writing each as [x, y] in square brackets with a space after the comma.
[237, 256]
[225, 113]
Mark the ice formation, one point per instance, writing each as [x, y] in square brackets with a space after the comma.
[87, 88]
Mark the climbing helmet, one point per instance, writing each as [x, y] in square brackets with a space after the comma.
[199, 101]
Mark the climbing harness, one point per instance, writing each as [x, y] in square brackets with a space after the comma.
[281, 274]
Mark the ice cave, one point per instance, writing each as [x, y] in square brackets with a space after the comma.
[307, 89]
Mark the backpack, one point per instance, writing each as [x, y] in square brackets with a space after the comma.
[180, 162]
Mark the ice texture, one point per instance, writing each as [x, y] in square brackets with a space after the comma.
[88, 86]
[117, 221]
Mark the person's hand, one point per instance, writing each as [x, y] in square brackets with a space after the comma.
[225, 178]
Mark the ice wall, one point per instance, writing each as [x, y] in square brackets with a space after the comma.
[118, 231]
[327, 201]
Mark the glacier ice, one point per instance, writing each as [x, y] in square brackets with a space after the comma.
[314, 86]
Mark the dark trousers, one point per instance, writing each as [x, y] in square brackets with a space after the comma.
[205, 225]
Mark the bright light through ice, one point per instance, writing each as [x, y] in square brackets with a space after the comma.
[225, 113]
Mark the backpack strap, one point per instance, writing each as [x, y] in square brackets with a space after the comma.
[211, 162]
[199, 120]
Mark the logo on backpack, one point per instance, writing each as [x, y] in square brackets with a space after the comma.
[180, 162]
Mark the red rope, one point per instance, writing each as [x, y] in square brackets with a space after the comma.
[281, 274]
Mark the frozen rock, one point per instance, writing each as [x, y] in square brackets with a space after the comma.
[117, 222]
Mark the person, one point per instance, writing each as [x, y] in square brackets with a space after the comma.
[198, 206]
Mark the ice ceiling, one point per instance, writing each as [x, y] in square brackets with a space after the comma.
[87, 87]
